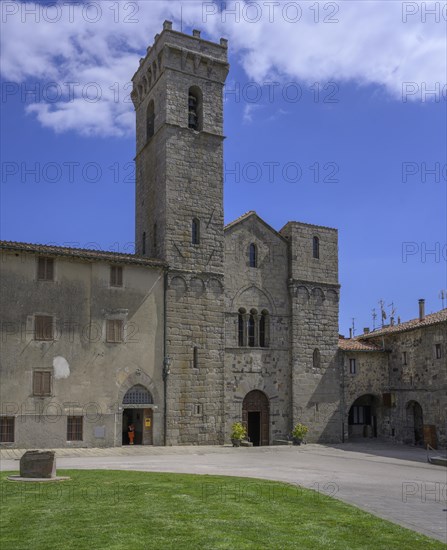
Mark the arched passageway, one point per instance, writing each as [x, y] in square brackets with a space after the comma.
[256, 417]
[415, 422]
[137, 412]
[363, 419]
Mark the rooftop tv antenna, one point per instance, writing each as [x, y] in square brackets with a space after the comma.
[443, 296]
[374, 316]
[382, 311]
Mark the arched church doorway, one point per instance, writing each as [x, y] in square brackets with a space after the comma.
[137, 411]
[256, 417]
[415, 422]
[363, 417]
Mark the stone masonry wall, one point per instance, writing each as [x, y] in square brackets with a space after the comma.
[89, 375]
[314, 298]
[262, 288]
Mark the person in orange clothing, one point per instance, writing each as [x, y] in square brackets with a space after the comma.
[131, 433]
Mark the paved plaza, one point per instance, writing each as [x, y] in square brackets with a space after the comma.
[393, 482]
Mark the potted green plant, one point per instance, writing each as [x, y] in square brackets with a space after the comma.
[299, 432]
[238, 432]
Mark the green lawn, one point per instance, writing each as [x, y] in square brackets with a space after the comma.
[136, 510]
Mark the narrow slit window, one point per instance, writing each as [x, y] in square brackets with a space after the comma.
[316, 358]
[195, 108]
[251, 331]
[195, 357]
[316, 248]
[195, 231]
[264, 327]
[241, 327]
[253, 255]
[143, 243]
[150, 120]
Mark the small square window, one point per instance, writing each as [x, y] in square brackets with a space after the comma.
[438, 351]
[74, 428]
[115, 331]
[43, 328]
[352, 366]
[45, 269]
[116, 275]
[42, 383]
[7, 429]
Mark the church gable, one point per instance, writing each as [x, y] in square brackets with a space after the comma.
[250, 241]
[255, 257]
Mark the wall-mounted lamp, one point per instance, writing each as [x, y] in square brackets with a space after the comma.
[167, 366]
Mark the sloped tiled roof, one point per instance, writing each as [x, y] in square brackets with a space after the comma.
[249, 214]
[430, 319]
[81, 253]
[352, 344]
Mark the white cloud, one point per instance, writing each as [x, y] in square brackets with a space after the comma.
[370, 44]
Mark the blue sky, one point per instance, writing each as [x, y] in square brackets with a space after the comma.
[351, 151]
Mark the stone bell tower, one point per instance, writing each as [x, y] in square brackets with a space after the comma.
[178, 98]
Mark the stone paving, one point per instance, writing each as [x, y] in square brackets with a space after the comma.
[392, 482]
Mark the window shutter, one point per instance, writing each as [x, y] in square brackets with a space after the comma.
[49, 271]
[37, 383]
[41, 269]
[46, 383]
[116, 275]
[43, 327]
[114, 331]
[110, 331]
[38, 328]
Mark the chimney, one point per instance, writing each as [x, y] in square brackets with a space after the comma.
[167, 25]
[398, 320]
[392, 321]
[196, 33]
[366, 330]
[350, 333]
[421, 309]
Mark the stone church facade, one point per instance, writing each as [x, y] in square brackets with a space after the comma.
[205, 325]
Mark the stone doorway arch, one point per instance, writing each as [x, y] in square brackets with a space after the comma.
[256, 417]
[364, 417]
[137, 411]
[415, 422]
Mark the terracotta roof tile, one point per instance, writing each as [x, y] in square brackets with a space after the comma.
[351, 344]
[430, 319]
[81, 253]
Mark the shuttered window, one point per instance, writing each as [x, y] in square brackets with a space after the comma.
[114, 331]
[43, 327]
[45, 269]
[6, 429]
[74, 428]
[42, 383]
[116, 275]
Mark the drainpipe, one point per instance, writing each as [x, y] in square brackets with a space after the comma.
[165, 365]
[342, 404]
